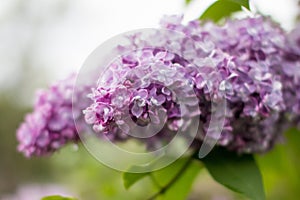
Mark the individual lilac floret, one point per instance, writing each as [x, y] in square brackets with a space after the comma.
[51, 125]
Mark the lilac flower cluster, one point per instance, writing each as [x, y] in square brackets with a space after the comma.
[257, 45]
[231, 62]
[142, 88]
[163, 80]
[51, 125]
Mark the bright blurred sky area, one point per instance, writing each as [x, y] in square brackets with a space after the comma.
[54, 37]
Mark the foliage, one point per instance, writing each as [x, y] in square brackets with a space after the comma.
[224, 8]
[131, 178]
[169, 180]
[237, 172]
[280, 168]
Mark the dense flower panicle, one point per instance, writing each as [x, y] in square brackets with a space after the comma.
[255, 45]
[258, 44]
[156, 66]
[51, 125]
[142, 88]
[163, 80]
[231, 62]
[254, 88]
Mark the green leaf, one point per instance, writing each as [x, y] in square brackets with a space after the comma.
[130, 178]
[244, 3]
[181, 188]
[237, 172]
[223, 8]
[56, 197]
[169, 180]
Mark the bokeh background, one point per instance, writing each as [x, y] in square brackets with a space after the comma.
[45, 40]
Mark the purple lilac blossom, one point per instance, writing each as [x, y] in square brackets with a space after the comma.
[51, 125]
[232, 61]
[245, 61]
[140, 89]
[256, 100]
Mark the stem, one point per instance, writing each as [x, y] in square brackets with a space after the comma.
[155, 181]
[173, 180]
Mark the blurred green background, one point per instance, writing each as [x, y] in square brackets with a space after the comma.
[43, 40]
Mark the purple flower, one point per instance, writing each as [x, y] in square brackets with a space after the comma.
[51, 125]
[250, 76]
[239, 67]
[164, 79]
[143, 94]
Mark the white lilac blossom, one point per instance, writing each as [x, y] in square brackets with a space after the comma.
[51, 125]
